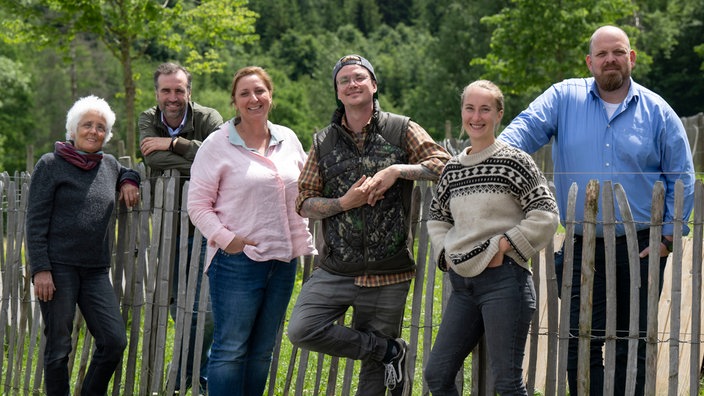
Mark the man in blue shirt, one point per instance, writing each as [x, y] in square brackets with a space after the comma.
[608, 127]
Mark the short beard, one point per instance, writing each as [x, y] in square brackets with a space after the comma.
[611, 82]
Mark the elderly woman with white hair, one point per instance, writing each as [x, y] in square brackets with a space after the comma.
[71, 202]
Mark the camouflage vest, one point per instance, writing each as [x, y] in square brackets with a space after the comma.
[366, 240]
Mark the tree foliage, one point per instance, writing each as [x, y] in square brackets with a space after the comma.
[460, 37]
[424, 53]
[15, 120]
[672, 33]
[128, 27]
[537, 42]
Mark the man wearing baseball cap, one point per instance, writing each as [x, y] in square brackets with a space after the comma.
[358, 180]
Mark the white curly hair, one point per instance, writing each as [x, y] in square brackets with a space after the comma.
[85, 105]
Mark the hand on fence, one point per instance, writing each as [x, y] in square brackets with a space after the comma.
[129, 194]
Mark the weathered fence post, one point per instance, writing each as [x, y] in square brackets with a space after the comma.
[676, 292]
[651, 338]
[591, 208]
[609, 226]
[695, 357]
[566, 290]
[634, 267]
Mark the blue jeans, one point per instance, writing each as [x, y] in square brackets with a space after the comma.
[377, 316]
[497, 304]
[91, 289]
[207, 329]
[596, 359]
[249, 301]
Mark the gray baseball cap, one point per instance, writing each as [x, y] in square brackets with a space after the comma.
[351, 60]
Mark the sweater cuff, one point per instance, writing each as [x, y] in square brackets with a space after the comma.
[129, 181]
[131, 176]
[520, 244]
[40, 268]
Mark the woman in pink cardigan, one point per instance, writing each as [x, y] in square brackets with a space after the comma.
[242, 197]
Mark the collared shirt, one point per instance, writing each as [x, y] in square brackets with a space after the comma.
[642, 142]
[421, 149]
[175, 131]
[237, 140]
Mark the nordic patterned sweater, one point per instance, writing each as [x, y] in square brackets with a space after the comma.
[483, 196]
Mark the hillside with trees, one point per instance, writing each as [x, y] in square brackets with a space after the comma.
[424, 52]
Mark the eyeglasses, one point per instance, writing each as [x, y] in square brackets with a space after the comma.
[100, 128]
[357, 78]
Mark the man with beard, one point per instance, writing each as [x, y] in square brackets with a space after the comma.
[357, 180]
[608, 127]
[170, 134]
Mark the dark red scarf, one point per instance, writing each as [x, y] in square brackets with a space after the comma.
[85, 161]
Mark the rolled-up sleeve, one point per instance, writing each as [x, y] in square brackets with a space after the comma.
[423, 150]
[309, 182]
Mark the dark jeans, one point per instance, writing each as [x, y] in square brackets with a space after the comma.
[497, 304]
[249, 304]
[623, 282]
[207, 329]
[377, 316]
[91, 289]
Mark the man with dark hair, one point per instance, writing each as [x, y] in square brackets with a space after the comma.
[170, 134]
[358, 179]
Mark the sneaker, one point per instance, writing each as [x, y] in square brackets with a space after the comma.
[396, 367]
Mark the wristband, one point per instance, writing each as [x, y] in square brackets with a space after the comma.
[173, 141]
[668, 244]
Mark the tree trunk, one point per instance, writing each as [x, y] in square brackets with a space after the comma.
[129, 85]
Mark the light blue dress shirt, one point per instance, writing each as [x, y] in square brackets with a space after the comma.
[237, 140]
[642, 142]
[175, 131]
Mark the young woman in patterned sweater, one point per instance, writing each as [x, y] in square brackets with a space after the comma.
[492, 212]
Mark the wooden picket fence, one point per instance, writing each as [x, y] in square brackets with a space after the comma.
[144, 246]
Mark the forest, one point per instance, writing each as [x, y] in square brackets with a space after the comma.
[424, 52]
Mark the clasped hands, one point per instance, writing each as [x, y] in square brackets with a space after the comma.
[369, 190]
